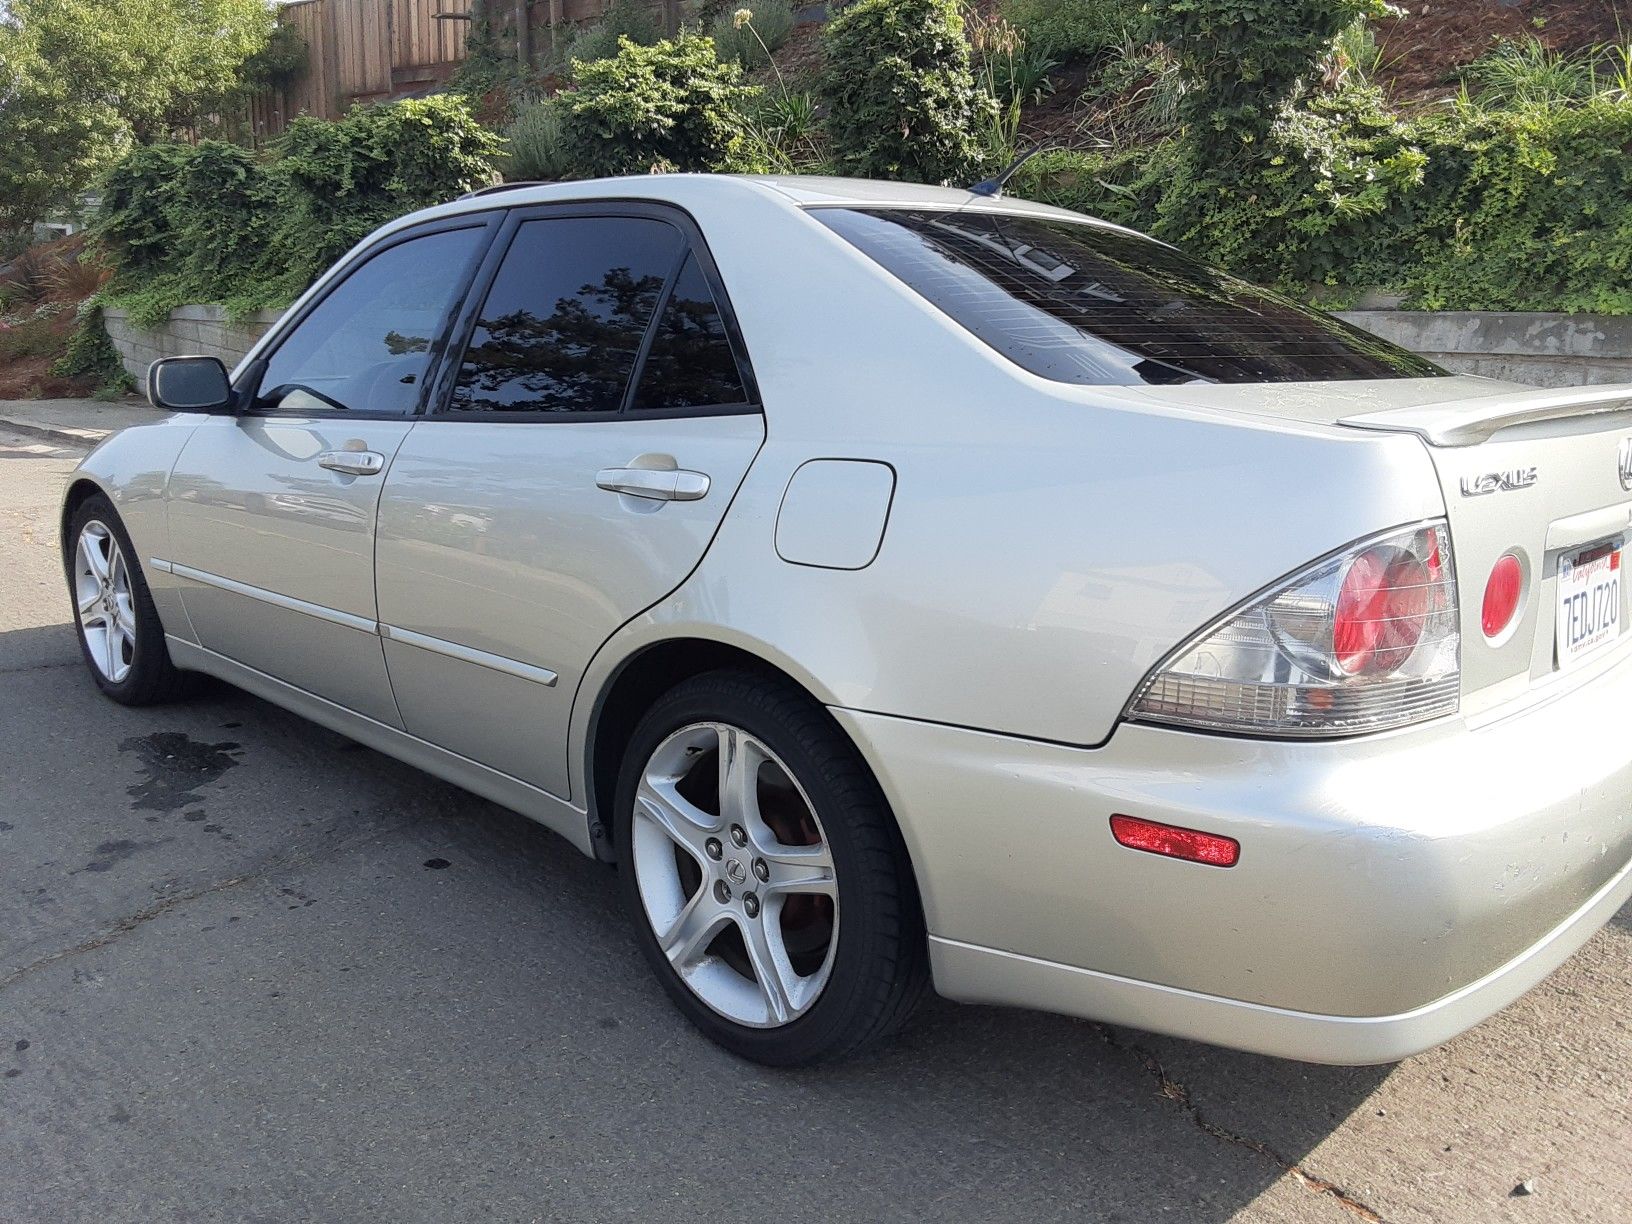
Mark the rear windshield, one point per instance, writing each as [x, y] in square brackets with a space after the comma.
[1082, 303]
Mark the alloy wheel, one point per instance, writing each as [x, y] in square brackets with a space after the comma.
[735, 874]
[102, 594]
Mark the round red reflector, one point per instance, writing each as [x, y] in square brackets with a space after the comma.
[1502, 595]
[1382, 607]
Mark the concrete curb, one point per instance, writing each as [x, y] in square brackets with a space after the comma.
[81, 438]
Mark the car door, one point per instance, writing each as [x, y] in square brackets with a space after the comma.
[271, 512]
[579, 457]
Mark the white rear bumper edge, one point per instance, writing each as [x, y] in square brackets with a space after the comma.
[973, 974]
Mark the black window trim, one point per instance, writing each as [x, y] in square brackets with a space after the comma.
[436, 408]
[249, 387]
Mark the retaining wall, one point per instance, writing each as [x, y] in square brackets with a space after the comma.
[190, 331]
[1544, 350]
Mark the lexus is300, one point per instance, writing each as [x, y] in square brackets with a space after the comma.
[907, 586]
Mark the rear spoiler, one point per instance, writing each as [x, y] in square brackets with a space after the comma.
[1470, 422]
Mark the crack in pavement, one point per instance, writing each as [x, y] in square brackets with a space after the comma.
[34, 667]
[159, 908]
[1176, 1092]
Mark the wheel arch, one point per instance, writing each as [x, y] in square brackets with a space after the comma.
[79, 491]
[644, 676]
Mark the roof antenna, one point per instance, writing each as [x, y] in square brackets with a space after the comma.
[993, 186]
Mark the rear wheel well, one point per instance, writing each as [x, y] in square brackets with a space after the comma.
[640, 682]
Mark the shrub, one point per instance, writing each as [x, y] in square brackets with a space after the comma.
[27, 278]
[90, 353]
[1528, 209]
[211, 223]
[1075, 29]
[1247, 58]
[903, 100]
[672, 105]
[182, 221]
[746, 42]
[339, 181]
[535, 146]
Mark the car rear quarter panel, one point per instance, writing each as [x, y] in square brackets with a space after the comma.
[1046, 545]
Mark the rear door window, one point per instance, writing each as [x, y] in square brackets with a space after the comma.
[565, 319]
[1082, 303]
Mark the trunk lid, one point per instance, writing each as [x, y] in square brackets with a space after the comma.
[1542, 473]
[1547, 476]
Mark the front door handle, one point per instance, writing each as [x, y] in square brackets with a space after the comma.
[657, 484]
[353, 463]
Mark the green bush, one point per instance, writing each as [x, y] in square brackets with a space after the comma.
[902, 99]
[211, 223]
[1075, 29]
[668, 106]
[90, 353]
[1247, 58]
[770, 26]
[183, 223]
[1529, 209]
[339, 181]
[535, 146]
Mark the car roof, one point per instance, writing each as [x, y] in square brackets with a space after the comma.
[798, 191]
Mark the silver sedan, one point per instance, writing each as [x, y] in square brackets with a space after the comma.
[908, 586]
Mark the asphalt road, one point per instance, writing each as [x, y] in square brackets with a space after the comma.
[250, 971]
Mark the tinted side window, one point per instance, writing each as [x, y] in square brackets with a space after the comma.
[1083, 303]
[565, 318]
[690, 363]
[365, 347]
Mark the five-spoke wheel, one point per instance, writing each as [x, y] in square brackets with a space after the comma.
[119, 630]
[102, 596]
[735, 874]
[747, 825]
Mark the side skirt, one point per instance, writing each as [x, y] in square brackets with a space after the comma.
[554, 814]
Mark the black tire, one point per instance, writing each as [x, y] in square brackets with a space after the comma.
[880, 965]
[152, 677]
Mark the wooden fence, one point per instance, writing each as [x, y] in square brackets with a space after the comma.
[370, 50]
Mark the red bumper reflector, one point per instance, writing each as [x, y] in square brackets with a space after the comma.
[1174, 842]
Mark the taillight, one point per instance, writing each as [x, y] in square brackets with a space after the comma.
[1360, 641]
[1502, 592]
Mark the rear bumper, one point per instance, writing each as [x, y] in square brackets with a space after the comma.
[1392, 890]
[986, 975]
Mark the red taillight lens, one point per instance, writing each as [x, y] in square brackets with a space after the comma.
[1382, 607]
[1174, 842]
[1502, 596]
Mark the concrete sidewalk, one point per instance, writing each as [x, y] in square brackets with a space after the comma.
[76, 422]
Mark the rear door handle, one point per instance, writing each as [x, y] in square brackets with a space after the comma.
[658, 484]
[353, 463]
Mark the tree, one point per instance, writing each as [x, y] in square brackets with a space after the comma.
[80, 80]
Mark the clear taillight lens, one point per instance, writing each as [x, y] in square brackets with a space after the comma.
[1358, 642]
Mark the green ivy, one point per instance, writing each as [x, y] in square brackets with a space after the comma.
[337, 182]
[213, 223]
[902, 98]
[90, 353]
[672, 105]
[1529, 209]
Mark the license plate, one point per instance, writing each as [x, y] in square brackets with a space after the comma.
[1589, 601]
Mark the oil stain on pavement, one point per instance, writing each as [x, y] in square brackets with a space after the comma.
[175, 768]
